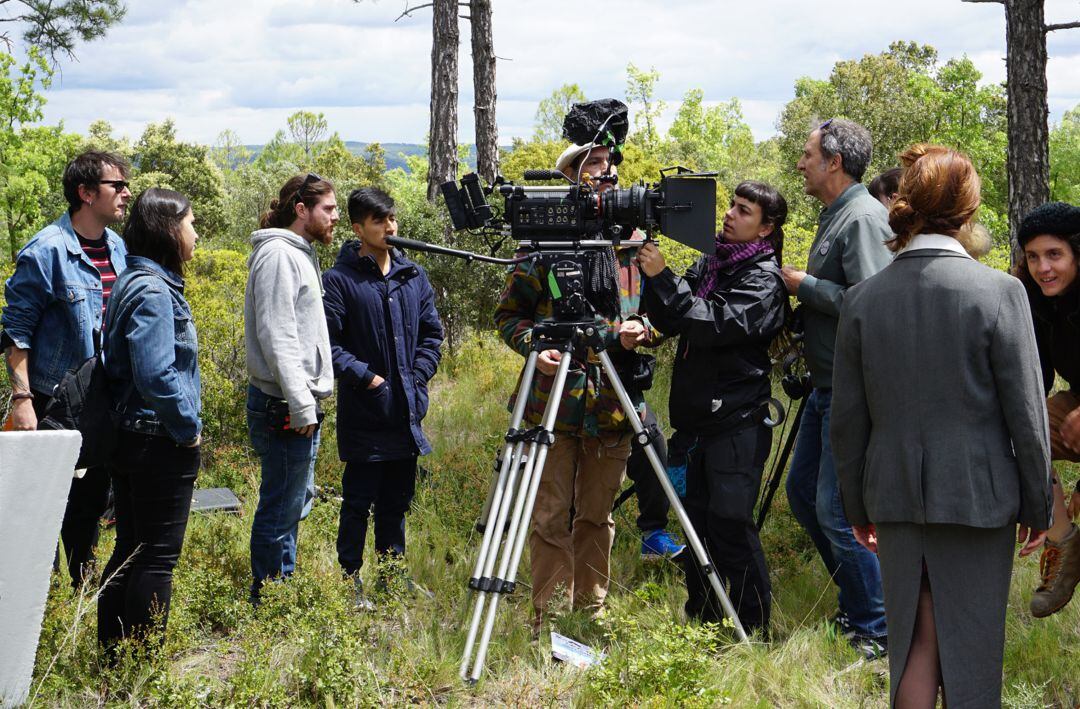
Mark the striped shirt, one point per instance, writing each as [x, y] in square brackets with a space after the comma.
[98, 253]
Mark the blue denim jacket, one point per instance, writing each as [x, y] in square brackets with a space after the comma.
[54, 301]
[152, 353]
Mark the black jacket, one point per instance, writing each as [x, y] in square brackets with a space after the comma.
[721, 377]
[385, 325]
[1057, 333]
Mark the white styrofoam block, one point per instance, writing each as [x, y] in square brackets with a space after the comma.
[35, 476]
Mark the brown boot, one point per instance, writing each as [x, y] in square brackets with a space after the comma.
[1060, 567]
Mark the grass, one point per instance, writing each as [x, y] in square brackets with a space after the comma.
[306, 646]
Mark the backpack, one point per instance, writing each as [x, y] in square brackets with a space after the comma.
[81, 402]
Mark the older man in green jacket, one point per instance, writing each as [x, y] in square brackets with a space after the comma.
[848, 248]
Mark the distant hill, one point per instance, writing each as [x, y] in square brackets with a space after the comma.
[395, 152]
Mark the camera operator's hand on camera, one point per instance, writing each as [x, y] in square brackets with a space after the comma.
[376, 382]
[631, 334]
[548, 362]
[650, 259]
[793, 278]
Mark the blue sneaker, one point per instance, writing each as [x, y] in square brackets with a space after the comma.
[659, 544]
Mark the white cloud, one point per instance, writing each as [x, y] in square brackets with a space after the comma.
[247, 64]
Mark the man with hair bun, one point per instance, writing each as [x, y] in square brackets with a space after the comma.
[289, 365]
[849, 247]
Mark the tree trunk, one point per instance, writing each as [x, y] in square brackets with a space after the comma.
[483, 57]
[1029, 151]
[442, 136]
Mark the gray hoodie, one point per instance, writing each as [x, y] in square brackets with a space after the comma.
[288, 347]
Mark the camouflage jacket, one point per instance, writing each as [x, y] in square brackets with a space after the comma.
[589, 403]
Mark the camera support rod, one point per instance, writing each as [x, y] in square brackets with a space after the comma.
[403, 243]
[515, 486]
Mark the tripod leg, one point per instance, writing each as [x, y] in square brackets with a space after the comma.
[523, 506]
[680, 512]
[501, 498]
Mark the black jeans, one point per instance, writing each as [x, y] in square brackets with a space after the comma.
[653, 504]
[390, 486]
[87, 500]
[153, 480]
[723, 477]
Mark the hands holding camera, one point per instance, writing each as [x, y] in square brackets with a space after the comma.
[651, 260]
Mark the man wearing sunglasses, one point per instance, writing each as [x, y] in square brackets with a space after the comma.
[849, 247]
[289, 365]
[52, 321]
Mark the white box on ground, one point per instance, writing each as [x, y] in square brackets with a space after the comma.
[573, 652]
[35, 476]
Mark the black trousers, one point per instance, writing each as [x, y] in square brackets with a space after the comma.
[723, 476]
[87, 500]
[653, 504]
[153, 480]
[388, 485]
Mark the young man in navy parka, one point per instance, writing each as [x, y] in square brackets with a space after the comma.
[385, 337]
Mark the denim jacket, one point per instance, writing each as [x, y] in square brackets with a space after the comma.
[152, 353]
[54, 301]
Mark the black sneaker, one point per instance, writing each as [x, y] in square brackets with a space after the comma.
[870, 647]
[840, 626]
[360, 600]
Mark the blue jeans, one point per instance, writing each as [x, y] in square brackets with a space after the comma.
[285, 493]
[814, 494]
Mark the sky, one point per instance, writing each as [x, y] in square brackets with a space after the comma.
[245, 65]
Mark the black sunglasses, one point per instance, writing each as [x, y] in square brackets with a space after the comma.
[118, 185]
[311, 179]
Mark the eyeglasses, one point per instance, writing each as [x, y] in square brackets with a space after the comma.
[825, 125]
[311, 179]
[118, 185]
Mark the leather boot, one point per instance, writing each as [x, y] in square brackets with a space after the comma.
[1060, 567]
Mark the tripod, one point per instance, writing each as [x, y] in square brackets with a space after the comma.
[514, 489]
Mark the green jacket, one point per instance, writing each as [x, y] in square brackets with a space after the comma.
[589, 403]
[849, 247]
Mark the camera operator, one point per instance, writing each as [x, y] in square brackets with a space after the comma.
[585, 465]
[727, 310]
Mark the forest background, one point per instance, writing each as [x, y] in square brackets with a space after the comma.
[307, 646]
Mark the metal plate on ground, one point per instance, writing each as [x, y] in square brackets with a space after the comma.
[215, 499]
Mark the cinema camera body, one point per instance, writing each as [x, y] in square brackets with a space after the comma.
[681, 206]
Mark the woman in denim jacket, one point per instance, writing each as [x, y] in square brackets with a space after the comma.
[154, 380]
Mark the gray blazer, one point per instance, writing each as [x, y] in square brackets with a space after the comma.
[938, 413]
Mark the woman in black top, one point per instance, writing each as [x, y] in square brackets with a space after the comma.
[727, 310]
[1050, 237]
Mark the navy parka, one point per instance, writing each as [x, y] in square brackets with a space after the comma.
[385, 325]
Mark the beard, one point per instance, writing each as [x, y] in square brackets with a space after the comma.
[324, 234]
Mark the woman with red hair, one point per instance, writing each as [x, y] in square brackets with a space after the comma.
[940, 437]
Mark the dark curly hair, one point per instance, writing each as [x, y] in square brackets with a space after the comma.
[1058, 219]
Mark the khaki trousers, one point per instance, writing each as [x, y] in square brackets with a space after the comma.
[582, 476]
[1058, 407]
